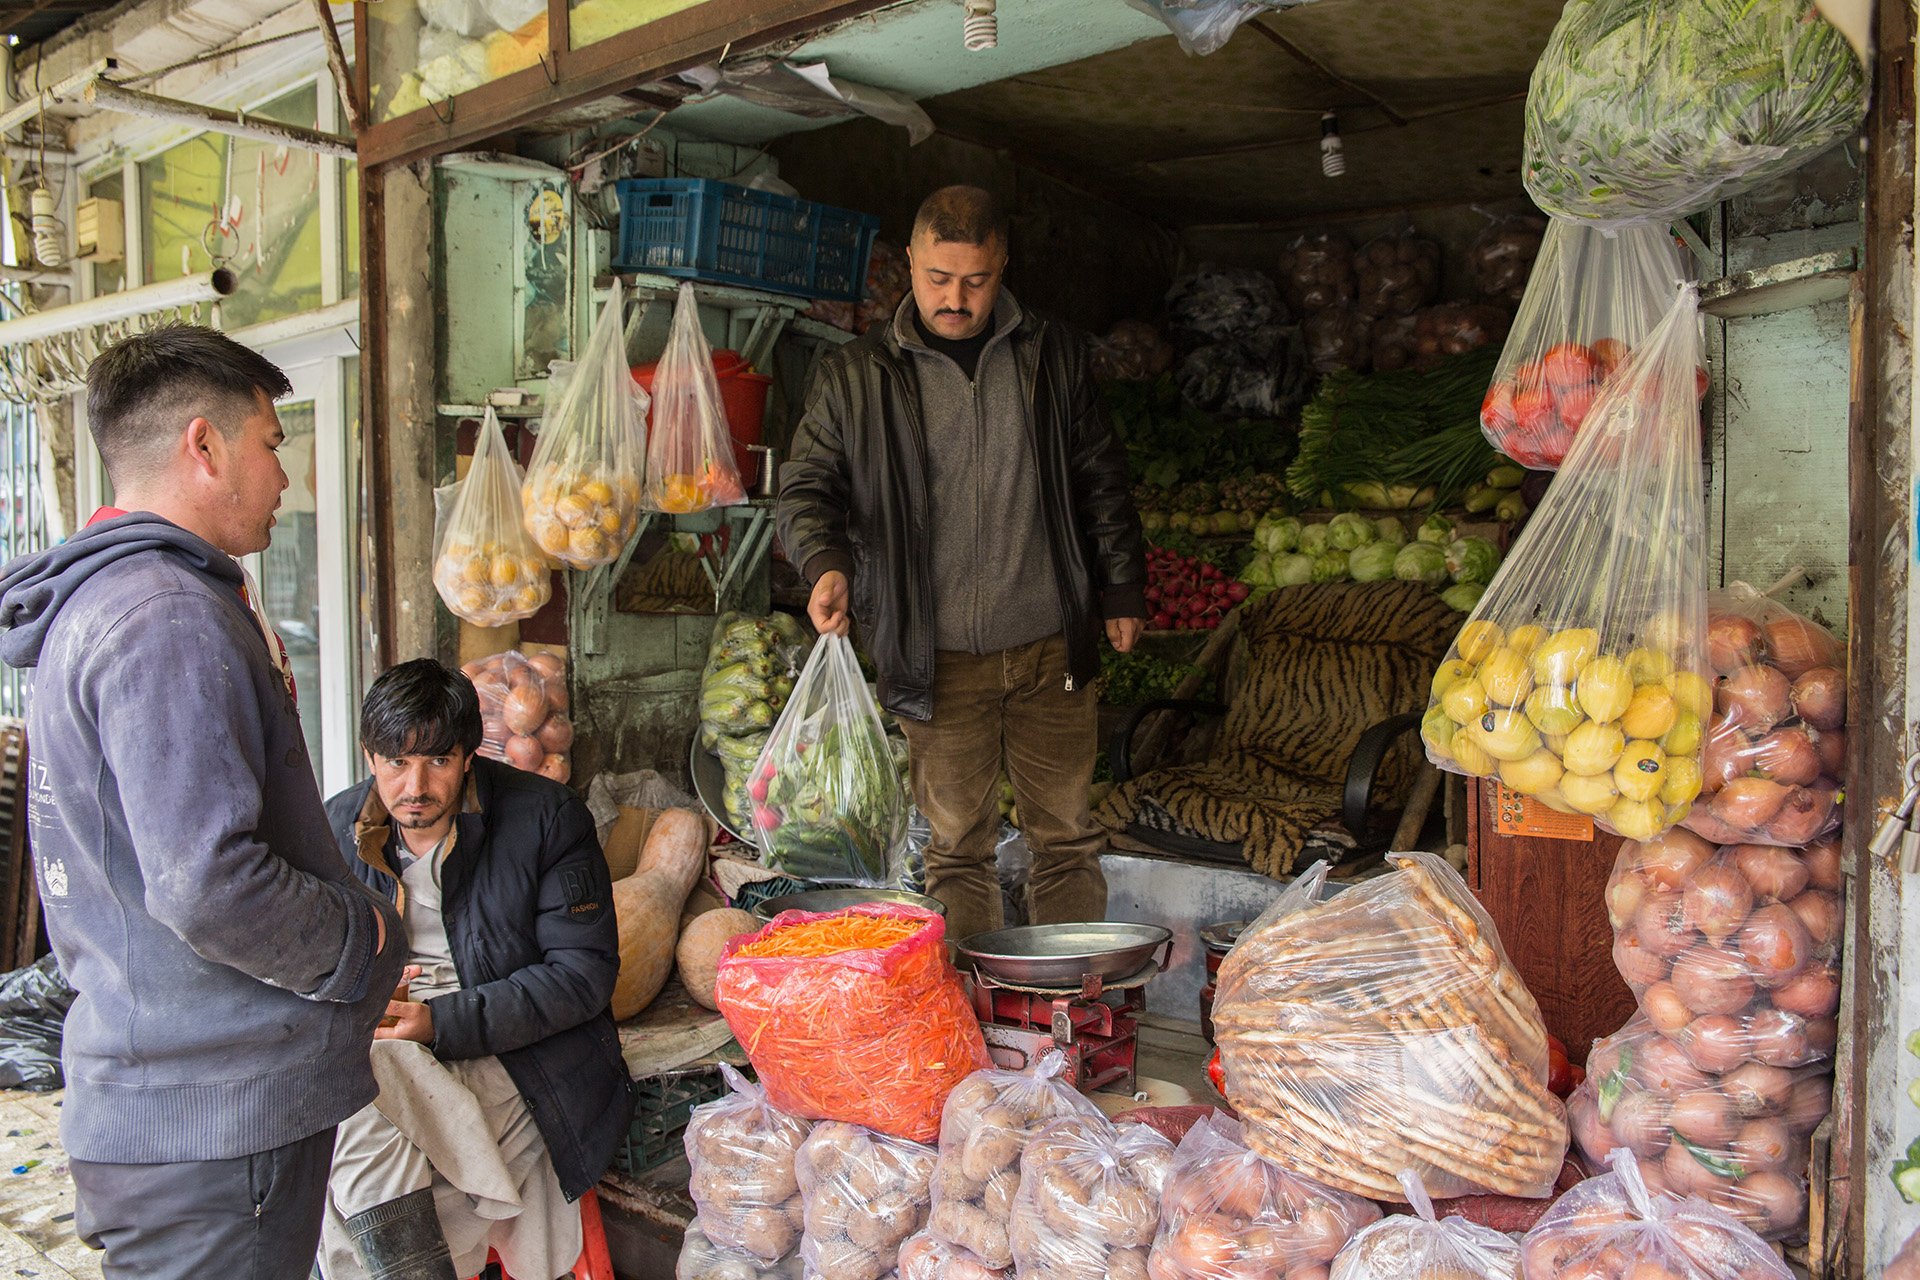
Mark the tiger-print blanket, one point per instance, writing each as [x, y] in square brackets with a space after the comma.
[1324, 662]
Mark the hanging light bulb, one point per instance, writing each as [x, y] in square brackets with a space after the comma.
[49, 248]
[981, 30]
[1333, 156]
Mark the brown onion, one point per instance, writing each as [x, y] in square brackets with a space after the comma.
[1770, 1202]
[1703, 823]
[557, 733]
[1704, 1117]
[1688, 1177]
[1640, 1122]
[1638, 965]
[1812, 994]
[1776, 1038]
[1734, 641]
[1748, 804]
[1819, 697]
[1831, 746]
[523, 752]
[1762, 1144]
[525, 710]
[1624, 895]
[1798, 646]
[1823, 864]
[1755, 698]
[1663, 923]
[1725, 757]
[1756, 1089]
[1806, 812]
[1775, 944]
[1776, 874]
[1809, 1103]
[1822, 1035]
[1664, 1067]
[1664, 1008]
[1787, 756]
[1715, 1043]
[1669, 860]
[1711, 981]
[1716, 900]
[1819, 911]
[557, 767]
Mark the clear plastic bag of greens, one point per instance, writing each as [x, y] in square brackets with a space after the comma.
[1593, 297]
[486, 566]
[1580, 679]
[690, 463]
[1652, 109]
[582, 491]
[828, 802]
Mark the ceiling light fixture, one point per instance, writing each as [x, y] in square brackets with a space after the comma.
[1333, 156]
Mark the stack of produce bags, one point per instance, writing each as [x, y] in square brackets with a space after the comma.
[1384, 1030]
[1089, 1200]
[1237, 352]
[752, 663]
[746, 1190]
[864, 1194]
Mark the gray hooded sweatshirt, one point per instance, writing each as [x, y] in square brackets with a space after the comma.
[196, 899]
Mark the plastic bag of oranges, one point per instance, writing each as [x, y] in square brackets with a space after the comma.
[582, 492]
[689, 450]
[486, 565]
[1580, 679]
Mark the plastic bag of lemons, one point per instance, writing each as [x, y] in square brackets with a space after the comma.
[486, 565]
[1580, 678]
[582, 491]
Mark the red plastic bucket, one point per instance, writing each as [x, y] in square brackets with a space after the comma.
[743, 394]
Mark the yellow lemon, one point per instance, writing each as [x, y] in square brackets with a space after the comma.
[474, 569]
[1553, 711]
[1437, 729]
[589, 545]
[1504, 676]
[1593, 748]
[1637, 819]
[474, 599]
[1534, 774]
[1506, 735]
[1557, 742]
[1560, 658]
[1593, 794]
[1641, 770]
[1555, 801]
[1650, 714]
[1605, 687]
[1691, 693]
[612, 524]
[505, 571]
[597, 491]
[1478, 640]
[553, 537]
[1524, 640]
[1682, 781]
[1451, 672]
[1465, 702]
[529, 599]
[1469, 755]
[1649, 666]
[1683, 739]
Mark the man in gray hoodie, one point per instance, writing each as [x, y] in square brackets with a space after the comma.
[230, 969]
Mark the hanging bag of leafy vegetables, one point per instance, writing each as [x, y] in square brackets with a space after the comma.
[828, 803]
[1580, 670]
[582, 491]
[1593, 297]
[690, 463]
[486, 566]
[1653, 109]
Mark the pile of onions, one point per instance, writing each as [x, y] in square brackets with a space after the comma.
[1775, 761]
[523, 711]
[1734, 954]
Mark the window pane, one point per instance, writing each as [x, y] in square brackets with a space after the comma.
[350, 225]
[109, 277]
[427, 51]
[290, 569]
[248, 205]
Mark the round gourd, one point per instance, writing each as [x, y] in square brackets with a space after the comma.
[701, 943]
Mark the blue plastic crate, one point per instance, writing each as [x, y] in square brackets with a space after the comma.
[701, 229]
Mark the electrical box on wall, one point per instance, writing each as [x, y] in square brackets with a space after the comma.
[99, 231]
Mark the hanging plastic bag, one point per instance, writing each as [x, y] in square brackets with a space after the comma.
[1594, 296]
[1406, 1246]
[582, 491]
[985, 1126]
[1204, 26]
[690, 464]
[1229, 1212]
[1089, 1200]
[523, 711]
[854, 1015]
[742, 1152]
[829, 804]
[486, 566]
[1615, 1227]
[865, 1193]
[1653, 109]
[1776, 756]
[1384, 1029]
[1739, 1138]
[1500, 261]
[1570, 678]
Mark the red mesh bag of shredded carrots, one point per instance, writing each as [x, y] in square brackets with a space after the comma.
[853, 1015]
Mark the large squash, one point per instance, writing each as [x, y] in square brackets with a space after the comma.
[647, 906]
[701, 942]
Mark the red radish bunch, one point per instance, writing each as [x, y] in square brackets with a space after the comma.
[1532, 414]
[1185, 593]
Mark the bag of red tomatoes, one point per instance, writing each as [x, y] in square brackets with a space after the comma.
[1592, 299]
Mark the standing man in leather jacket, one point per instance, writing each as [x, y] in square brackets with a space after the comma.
[955, 484]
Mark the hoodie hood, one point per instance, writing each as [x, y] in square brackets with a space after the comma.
[34, 588]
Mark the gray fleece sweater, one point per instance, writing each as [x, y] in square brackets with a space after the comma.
[993, 581]
[222, 951]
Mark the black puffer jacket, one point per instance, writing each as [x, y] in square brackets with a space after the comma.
[853, 497]
[528, 905]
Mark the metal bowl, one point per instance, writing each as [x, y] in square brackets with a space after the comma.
[1219, 938]
[841, 899]
[710, 785]
[1062, 955]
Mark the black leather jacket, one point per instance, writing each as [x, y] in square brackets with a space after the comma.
[853, 497]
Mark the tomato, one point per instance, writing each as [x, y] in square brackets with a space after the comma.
[1496, 410]
[1217, 1074]
[1609, 354]
[1573, 404]
[1533, 409]
[1560, 1080]
[1568, 365]
[1699, 383]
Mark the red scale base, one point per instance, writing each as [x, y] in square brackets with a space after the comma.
[1098, 1030]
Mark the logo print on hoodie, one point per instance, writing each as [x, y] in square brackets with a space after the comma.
[55, 875]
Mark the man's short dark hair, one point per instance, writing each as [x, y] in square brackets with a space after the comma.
[420, 708]
[969, 215]
[143, 390]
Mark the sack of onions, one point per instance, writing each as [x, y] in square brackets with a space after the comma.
[1737, 1136]
[1228, 1213]
[1617, 1227]
[1774, 769]
[523, 711]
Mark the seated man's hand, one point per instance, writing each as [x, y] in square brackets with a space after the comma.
[406, 1019]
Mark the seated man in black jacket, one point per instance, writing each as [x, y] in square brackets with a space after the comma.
[502, 1090]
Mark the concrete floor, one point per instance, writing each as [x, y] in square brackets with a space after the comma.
[36, 1205]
